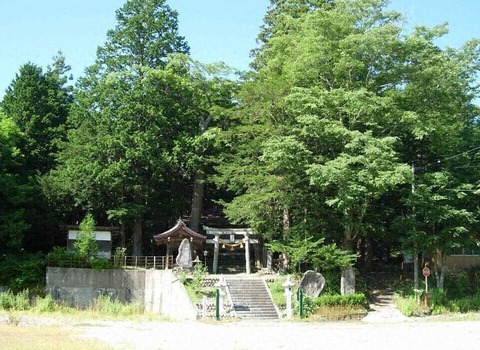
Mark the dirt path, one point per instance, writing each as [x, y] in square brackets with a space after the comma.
[383, 308]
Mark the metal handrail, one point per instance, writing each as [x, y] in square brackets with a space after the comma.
[124, 262]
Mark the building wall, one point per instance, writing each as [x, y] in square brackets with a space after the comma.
[461, 262]
[159, 291]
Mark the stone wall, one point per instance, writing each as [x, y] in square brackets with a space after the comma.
[159, 291]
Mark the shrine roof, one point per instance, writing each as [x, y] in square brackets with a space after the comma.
[177, 233]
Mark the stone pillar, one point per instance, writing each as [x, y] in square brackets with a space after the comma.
[216, 249]
[347, 282]
[246, 241]
[257, 251]
[288, 294]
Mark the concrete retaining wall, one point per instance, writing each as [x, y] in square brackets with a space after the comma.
[159, 291]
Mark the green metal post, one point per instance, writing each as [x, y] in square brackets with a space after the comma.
[217, 304]
[300, 302]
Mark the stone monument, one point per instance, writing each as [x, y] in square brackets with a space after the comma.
[184, 257]
[312, 283]
[347, 282]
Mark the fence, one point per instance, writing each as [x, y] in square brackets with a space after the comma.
[125, 262]
[144, 262]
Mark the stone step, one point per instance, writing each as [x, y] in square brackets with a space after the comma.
[251, 298]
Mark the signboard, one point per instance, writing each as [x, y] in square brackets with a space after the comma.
[426, 271]
[103, 239]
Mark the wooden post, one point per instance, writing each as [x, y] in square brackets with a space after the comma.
[168, 253]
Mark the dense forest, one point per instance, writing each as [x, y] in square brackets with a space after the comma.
[347, 131]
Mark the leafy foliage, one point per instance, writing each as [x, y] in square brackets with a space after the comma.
[85, 244]
[313, 252]
[20, 272]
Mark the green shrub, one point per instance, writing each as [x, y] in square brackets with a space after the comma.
[26, 271]
[467, 304]
[309, 306]
[356, 299]
[14, 302]
[118, 257]
[100, 263]
[277, 290]
[457, 284]
[112, 307]
[332, 281]
[199, 273]
[61, 257]
[409, 306]
[45, 304]
[7, 300]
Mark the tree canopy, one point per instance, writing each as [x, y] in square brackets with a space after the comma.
[349, 135]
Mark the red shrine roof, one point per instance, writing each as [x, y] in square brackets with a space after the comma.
[177, 233]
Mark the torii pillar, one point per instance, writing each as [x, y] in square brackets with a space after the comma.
[246, 241]
[216, 242]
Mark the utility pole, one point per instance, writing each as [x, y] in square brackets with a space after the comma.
[415, 244]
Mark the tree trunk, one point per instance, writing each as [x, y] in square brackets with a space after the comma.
[122, 239]
[415, 267]
[137, 237]
[286, 225]
[439, 269]
[197, 201]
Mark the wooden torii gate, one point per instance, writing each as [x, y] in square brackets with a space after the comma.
[230, 237]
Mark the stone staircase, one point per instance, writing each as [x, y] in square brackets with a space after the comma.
[251, 298]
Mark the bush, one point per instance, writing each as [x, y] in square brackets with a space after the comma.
[26, 271]
[14, 302]
[409, 306]
[45, 304]
[357, 299]
[7, 300]
[277, 290]
[457, 284]
[61, 257]
[100, 263]
[467, 304]
[112, 307]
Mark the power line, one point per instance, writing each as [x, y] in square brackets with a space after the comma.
[460, 154]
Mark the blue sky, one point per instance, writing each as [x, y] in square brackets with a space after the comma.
[217, 30]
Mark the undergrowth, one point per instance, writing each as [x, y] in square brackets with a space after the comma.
[102, 306]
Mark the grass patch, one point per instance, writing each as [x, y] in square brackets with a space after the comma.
[45, 338]
[277, 290]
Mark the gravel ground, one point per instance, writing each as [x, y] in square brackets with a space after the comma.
[383, 328]
[287, 335]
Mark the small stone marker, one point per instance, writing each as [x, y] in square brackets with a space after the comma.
[184, 257]
[312, 283]
[347, 282]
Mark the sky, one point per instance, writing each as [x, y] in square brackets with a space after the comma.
[216, 30]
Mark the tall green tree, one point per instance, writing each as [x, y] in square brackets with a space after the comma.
[340, 104]
[14, 188]
[119, 158]
[207, 92]
[38, 102]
